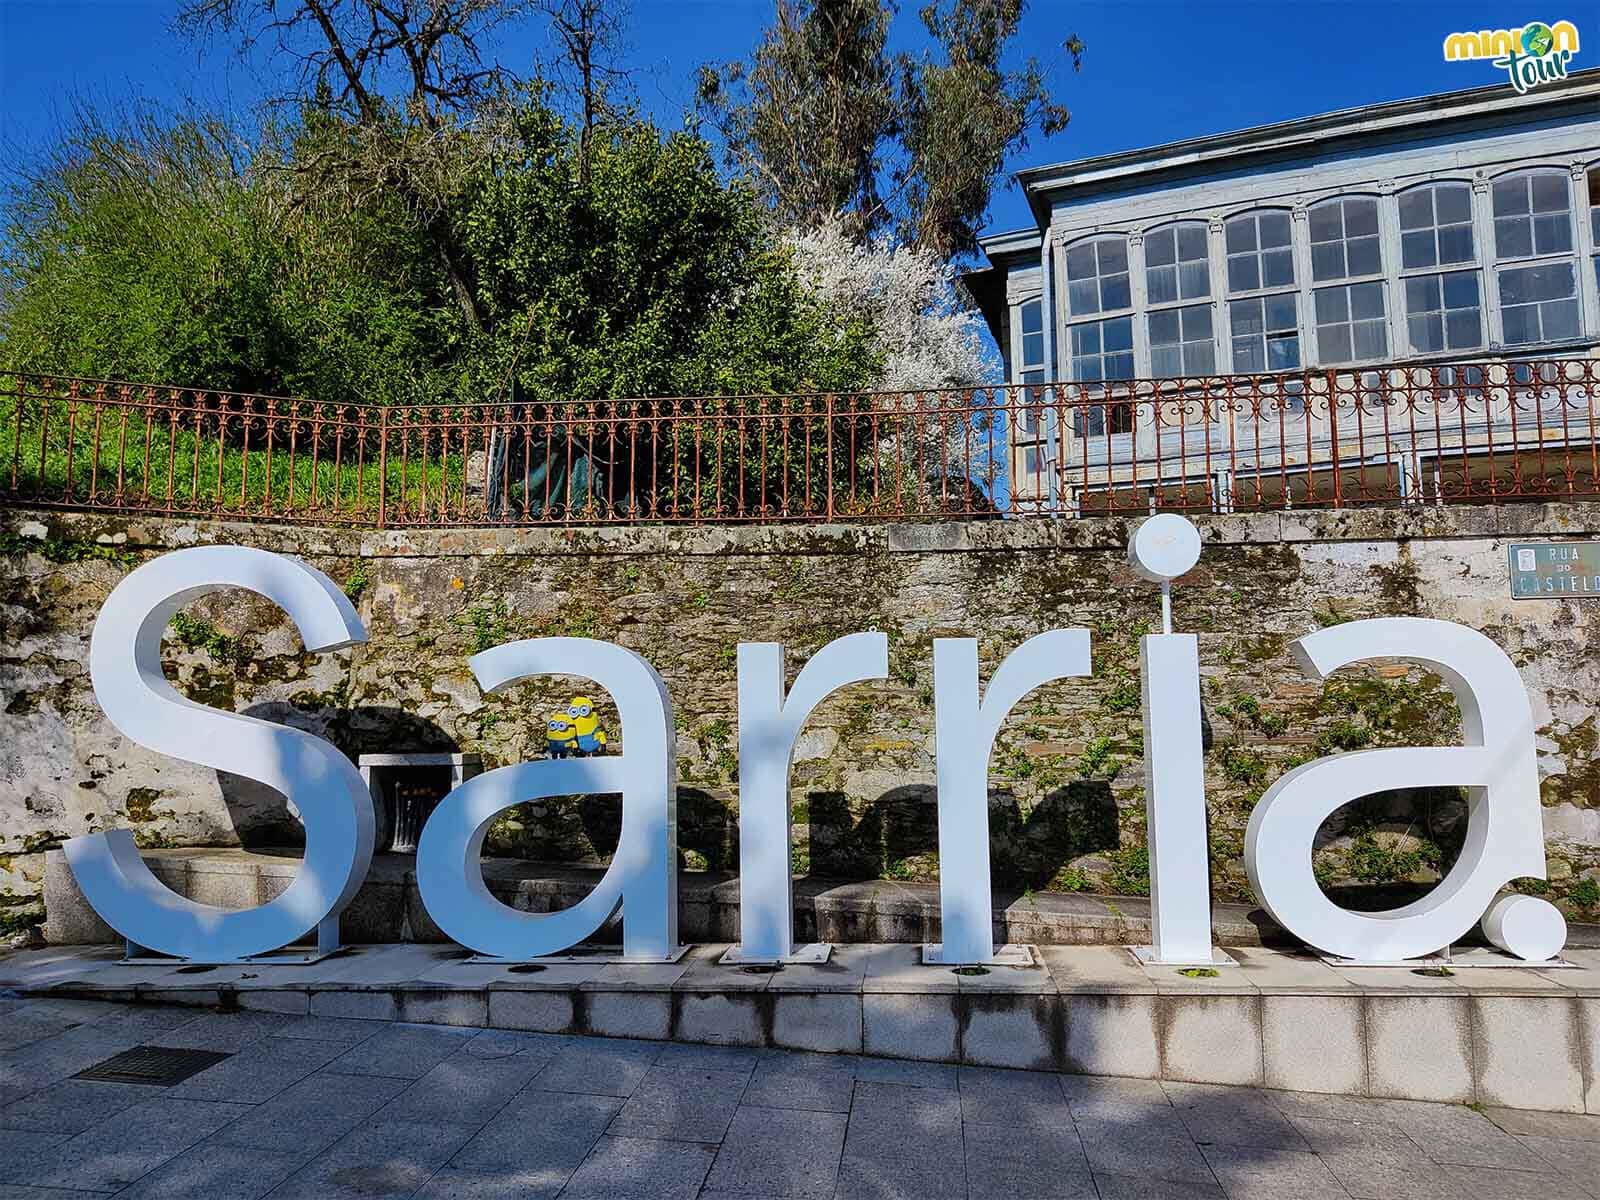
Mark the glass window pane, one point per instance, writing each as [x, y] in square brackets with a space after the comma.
[1283, 353]
[1560, 320]
[1327, 261]
[1521, 324]
[1247, 354]
[1325, 223]
[1426, 332]
[1280, 312]
[1032, 349]
[1163, 327]
[1113, 255]
[1416, 249]
[1200, 358]
[1114, 293]
[1360, 218]
[1416, 209]
[1119, 334]
[1332, 305]
[1362, 255]
[1245, 316]
[1333, 343]
[1080, 261]
[1083, 297]
[1087, 370]
[1452, 203]
[1461, 289]
[1463, 329]
[1086, 338]
[1549, 193]
[1191, 242]
[1032, 318]
[1274, 229]
[1366, 300]
[1422, 293]
[1196, 322]
[1242, 273]
[1166, 361]
[1510, 197]
[1371, 339]
[1194, 279]
[1277, 268]
[1552, 234]
[1161, 284]
[1240, 234]
[1455, 244]
[1160, 249]
[1513, 237]
[1119, 366]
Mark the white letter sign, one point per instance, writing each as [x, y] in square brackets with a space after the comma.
[334, 803]
[1496, 766]
[643, 876]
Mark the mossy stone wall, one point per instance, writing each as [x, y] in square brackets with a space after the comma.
[1066, 774]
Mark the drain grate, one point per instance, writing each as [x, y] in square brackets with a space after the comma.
[159, 1066]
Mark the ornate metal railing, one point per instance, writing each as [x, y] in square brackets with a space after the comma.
[1486, 431]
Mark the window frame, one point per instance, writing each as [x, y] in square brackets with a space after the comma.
[1080, 421]
[1498, 264]
[1293, 289]
[1381, 277]
[1400, 323]
[1208, 298]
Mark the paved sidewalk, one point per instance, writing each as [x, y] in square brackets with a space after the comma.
[335, 1109]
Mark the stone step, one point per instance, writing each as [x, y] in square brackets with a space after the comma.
[1519, 1037]
[389, 909]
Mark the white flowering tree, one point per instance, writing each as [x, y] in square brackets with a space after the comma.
[929, 339]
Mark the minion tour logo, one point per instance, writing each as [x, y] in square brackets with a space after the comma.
[1537, 53]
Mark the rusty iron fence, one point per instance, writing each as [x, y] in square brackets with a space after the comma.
[1463, 432]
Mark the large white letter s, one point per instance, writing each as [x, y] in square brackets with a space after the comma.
[334, 803]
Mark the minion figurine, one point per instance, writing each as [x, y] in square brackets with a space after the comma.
[560, 738]
[590, 738]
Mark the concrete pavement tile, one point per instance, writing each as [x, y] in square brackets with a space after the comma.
[1140, 1187]
[1486, 1183]
[1450, 1133]
[709, 1058]
[547, 1132]
[1375, 1160]
[605, 1069]
[328, 1029]
[779, 1151]
[818, 1082]
[1124, 1148]
[906, 1073]
[898, 1121]
[869, 1176]
[260, 1071]
[503, 1043]
[681, 1104]
[1546, 1124]
[20, 1029]
[133, 1143]
[464, 1089]
[379, 1158]
[405, 1051]
[73, 1105]
[21, 1151]
[228, 1032]
[642, 1167]
[996, 1096]
[311, 1114]
[63, 1055]
[1097, 1096]
[1039, 1164]
[1256, 1173]
[451, 1183]
[1570, 1156]
[215, 1172]
[1233, 1115]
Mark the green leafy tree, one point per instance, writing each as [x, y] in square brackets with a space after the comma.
[834, 127]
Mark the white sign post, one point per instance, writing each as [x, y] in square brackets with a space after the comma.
[1163, 548]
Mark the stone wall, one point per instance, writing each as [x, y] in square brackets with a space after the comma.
[1067, 799]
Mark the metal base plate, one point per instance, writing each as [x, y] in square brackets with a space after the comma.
[1010, 955]
[1476, 958]
[811, 954]
[1148, 956]
[604, 956]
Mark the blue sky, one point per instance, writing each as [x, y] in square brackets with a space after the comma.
[1154, 71]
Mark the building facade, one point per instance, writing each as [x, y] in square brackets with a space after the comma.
[1369, 303]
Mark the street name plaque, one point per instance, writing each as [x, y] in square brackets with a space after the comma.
[1553, 570]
